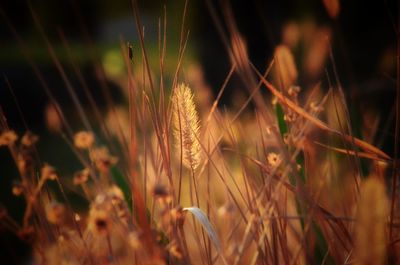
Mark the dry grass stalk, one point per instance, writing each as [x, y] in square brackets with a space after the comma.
[249, 208]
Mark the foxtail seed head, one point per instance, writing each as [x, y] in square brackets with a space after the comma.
[186, 126]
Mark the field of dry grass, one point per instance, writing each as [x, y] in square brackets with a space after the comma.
[171, 176]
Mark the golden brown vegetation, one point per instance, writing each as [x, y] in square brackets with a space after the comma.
[188, 183]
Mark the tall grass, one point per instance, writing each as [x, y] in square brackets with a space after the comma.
[171, 178]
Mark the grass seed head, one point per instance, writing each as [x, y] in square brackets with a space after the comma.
[186, 126]
[285, 68]
[83, 140]
[8, 138]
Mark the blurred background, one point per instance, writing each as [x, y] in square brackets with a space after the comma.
[362, 36]
[89, 34]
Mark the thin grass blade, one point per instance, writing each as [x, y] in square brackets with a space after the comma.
[202, 218]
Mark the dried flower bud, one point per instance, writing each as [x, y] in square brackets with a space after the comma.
[99, 221]
[102, 158]
[77, 217]
[8, 137]
[273, 159]
[81, 176]
[48, 172]
[115, 194]
[274, 101]
[287, 138]
[55, 213]
[29, 139]
[83, 139]
[17, 188]
[290, 117]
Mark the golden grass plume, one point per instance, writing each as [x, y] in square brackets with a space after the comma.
[186, 126]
